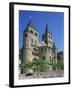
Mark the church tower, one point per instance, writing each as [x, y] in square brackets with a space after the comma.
[47, 37]
[30, 43]
[48, 50]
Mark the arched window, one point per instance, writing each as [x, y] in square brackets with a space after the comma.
[31, 32]
[42, 49]
[45, 41]
[35, 49]
[49, 36]
[35, 34]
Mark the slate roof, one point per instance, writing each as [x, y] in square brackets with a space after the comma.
[30, 24]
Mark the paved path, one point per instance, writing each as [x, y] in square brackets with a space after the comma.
[50, 74]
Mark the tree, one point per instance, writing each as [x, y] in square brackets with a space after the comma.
[60, 65]
[54, 66]
[25, 66]
[45, 65]
[37, 65]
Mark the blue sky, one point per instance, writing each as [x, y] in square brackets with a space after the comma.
[55, 21]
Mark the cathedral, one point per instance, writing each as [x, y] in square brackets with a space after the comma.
[32, 48]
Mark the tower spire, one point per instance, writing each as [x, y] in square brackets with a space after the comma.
[46, 34]
[46, 28]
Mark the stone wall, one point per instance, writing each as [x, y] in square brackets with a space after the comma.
[47, 52]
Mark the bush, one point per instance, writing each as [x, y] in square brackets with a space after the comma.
[60, 65]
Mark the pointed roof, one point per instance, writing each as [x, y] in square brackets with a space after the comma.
[30, 24]
[46, 31]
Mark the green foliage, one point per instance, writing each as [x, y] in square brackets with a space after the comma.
[36, 65]
[23, 66]
[60, 65]
[42, 65]
[54, 66]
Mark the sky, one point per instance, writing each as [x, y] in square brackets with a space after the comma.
[55, 21]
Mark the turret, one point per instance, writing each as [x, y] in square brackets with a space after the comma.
[47, 37]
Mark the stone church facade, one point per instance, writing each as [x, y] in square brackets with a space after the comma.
[32, 48]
